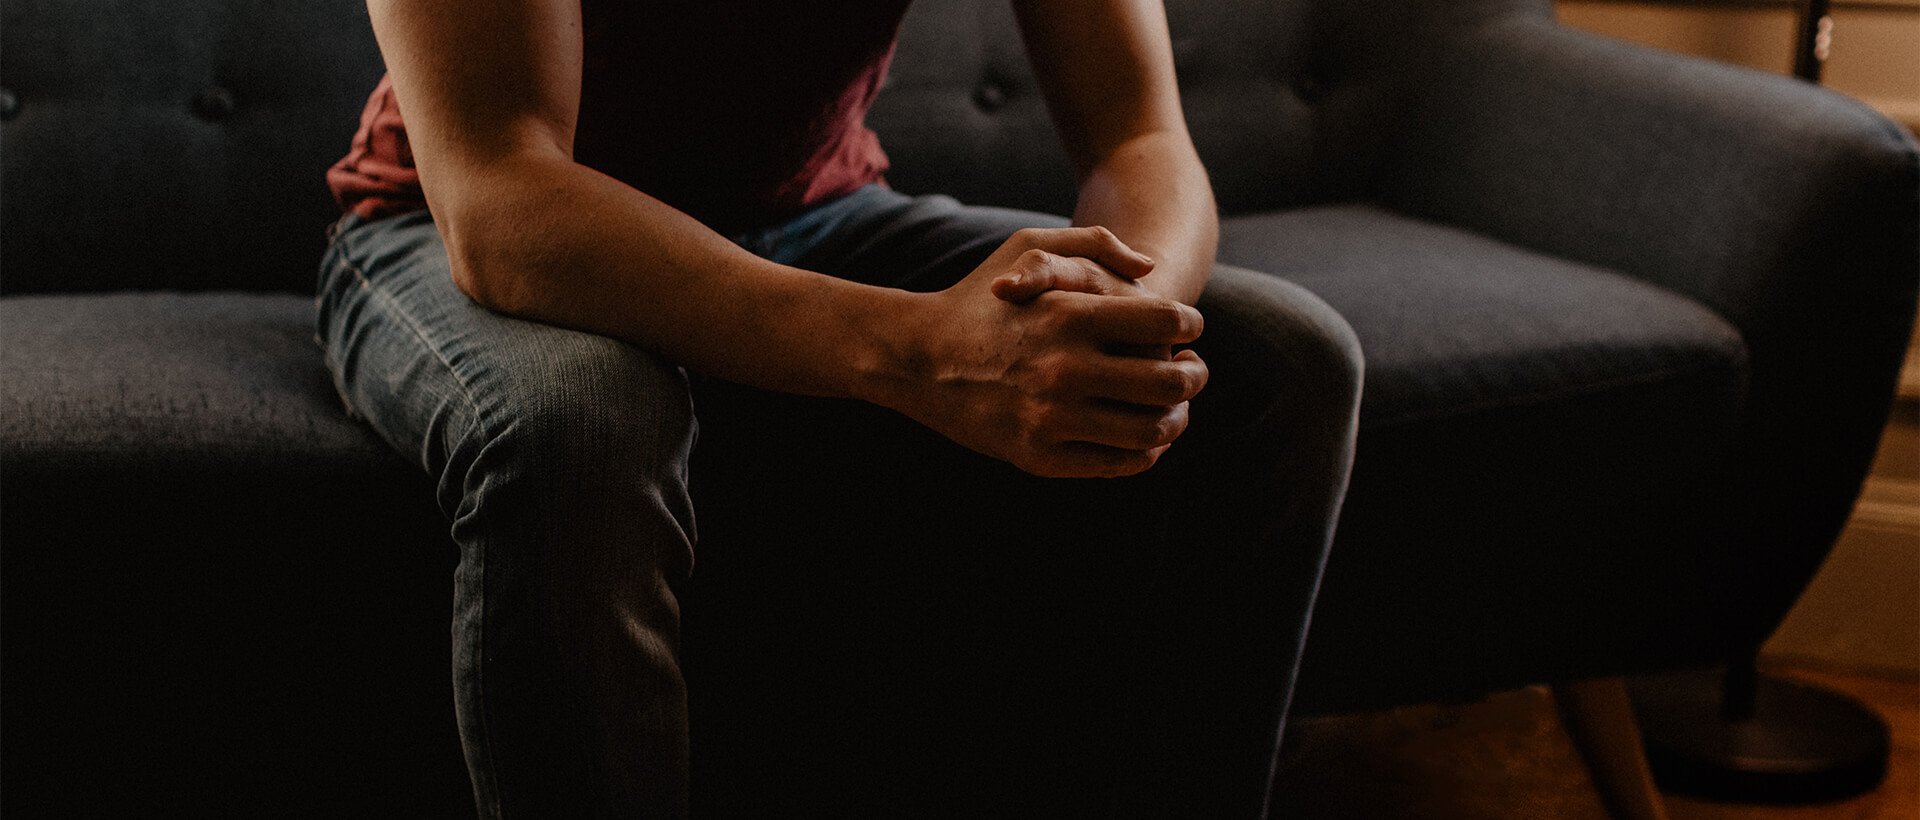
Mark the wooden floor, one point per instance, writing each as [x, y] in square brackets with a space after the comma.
[1506, 758]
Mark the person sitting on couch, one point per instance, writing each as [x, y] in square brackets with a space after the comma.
[555, 210]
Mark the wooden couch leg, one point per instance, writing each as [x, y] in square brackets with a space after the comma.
[1599, 718]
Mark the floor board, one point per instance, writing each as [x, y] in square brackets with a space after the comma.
[1507, 757]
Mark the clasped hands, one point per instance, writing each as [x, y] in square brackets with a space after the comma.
[1051, 356]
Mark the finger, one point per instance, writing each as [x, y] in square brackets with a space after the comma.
[1153, 382]
[1141, 320]
[1038, 271]
[1093, 242]
[1080, 459]
[1155, 352]
[1126, 426]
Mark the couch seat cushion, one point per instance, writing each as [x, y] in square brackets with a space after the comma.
[171, 378]
[1526, 421]
[189, 515]
[1455, 323]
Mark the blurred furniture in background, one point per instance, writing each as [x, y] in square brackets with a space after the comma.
[1737, 734]
[1813, 40]
[1871, 56]
[1632, 321]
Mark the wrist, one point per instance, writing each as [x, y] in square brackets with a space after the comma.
[889, 354]
[1180, 286]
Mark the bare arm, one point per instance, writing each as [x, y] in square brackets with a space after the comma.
[491, 93]
[1106, 67]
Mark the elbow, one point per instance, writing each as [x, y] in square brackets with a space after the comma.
[469, 276]
[492, 246]
[481, 270]
[488, 213]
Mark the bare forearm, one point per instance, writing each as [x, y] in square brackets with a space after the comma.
[531, 233]
[1034, 384]
[491, 90]
[1152, 192]
[1106, 67]
[554, 242]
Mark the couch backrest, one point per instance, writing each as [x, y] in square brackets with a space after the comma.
[1290, 102]
[181, 143]
[174, 143]
[962, 114]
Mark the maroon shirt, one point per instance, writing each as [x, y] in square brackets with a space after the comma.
[738, 112]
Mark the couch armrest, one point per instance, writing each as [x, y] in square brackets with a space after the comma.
[1791, 210]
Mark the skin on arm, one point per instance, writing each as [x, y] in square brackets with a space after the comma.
[1106, 68]
[491, 92]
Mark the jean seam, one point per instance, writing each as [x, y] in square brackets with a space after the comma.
[466, 390]
[473, 422]
[319, 337]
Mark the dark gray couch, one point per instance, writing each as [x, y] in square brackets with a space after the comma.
[1631, 324]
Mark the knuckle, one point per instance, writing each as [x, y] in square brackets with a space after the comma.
[1033, 260]
[1172, 425]
[1040, 419]
[1184, 322]
[1163, 431]
[1174, 385]
[1133, 462]
[1086, 272]
[1155, 433]
[1026, 419]
[1053, 373]
[1025, 237]
[1103, 235]
[1187, 383]
[1168, 319]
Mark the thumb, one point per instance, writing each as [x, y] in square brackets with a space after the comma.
[1038, 272]
[1021, 287]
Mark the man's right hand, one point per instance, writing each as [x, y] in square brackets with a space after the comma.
[1049, 385]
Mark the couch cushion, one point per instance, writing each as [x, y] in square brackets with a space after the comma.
[175, 145]
[149, 378]
[212, 568]
[1526, 420]
[1288, 102]
[1455, 323]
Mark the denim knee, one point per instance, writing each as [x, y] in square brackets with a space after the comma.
[590, 435]
[573, 402]
[1290, 359]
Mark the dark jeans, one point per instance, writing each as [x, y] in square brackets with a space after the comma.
[949, 629]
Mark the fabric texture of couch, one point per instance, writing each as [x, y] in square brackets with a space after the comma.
[1631, 323]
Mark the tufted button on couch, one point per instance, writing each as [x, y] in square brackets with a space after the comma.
[1631, 323]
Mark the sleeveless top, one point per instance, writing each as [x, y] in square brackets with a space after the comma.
[738, 112]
